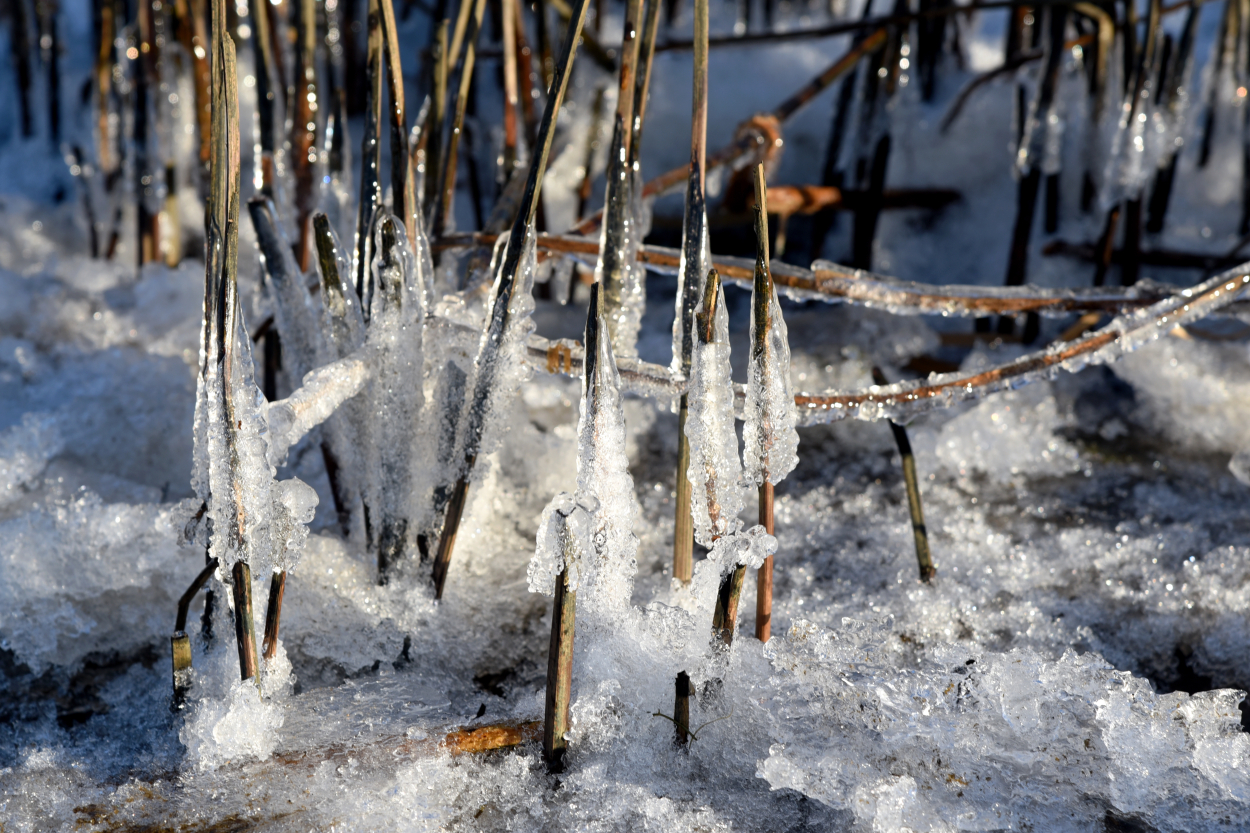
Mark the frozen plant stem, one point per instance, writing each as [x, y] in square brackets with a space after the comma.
[273, 614]
[761, 298]
[244, 624]
[693, 267]
[923, 559]
[499, 316]
[560, 655]
[681, 709]
[180, 643]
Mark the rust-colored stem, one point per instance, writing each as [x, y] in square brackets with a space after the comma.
[244, 624]
[764, 579]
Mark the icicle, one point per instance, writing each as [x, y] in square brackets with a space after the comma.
[770, 441]
[395, 333]
[297, 324]
[603, 478]
[715, 470]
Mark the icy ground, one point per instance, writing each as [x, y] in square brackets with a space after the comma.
[1078, 664]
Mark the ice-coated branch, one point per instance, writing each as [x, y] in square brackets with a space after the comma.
[832, 282]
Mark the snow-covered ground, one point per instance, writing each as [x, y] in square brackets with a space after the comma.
[1078, 664]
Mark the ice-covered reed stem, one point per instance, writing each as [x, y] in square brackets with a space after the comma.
[180, 642]
[924, 559]
[617, 241]
[485, 365]
[273, 614]
[695, 261]
[769, 437]
[370, 158]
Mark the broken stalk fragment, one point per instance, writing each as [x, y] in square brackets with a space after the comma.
[923, 558]
[499, 316]
[244, 624]
[273, 614]
[681, 709]
[180, 643]
[560, 650]
[695, 263]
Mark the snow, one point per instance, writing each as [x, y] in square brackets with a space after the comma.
[1077, 664]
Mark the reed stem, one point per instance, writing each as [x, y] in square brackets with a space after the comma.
[924, 559]
[485, 377]
[244, 624]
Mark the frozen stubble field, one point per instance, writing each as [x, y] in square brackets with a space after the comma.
[1078, 663]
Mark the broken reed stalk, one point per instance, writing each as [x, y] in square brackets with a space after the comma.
[681, 709]
[452, 154]
[273, 614]
[761, 297]
[614, 253]
[559, 668]
[923, 558]
[486, 376]
[244, 624]
[694, 233]
[725, 612]
[180, 643]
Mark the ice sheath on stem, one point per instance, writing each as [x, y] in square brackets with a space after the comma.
[499, 323]
[619, 238]
[696, 258]
[770, 441]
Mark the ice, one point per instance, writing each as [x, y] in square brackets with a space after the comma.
[240, 728]
[715, 468]
[396, 335]
[302, 345]
[770, 441]
[1099, 739]
[25, 450]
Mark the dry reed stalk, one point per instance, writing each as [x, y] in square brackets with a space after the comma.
[511, 102]
[437, 118]
[759, 135]
[403, 195]
[497, 323]
[103, 77]
[761, 325]
[681, 709]
[267, 92]
[304, 129]
[449, 165]
[560, 649]
[594, 49]
[244, 624]
[525, 77]
[642, 87]
[924, 559]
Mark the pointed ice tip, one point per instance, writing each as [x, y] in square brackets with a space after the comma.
[706, 317]
[389, 263]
